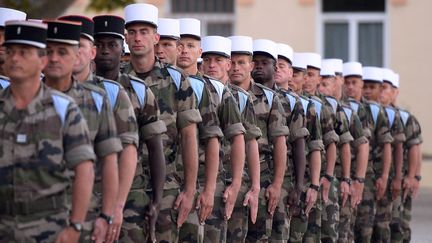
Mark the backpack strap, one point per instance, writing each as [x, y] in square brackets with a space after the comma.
[61, 105]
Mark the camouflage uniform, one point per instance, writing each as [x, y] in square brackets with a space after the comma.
[314, 142]
[271, 121]
[177, 104]
[379, 134]
[295, 120]
[38, 145]
[381, 231]
[238, 223]
[97, 112]
[4, 82]
[344, 229]
[401, 212]
[146, 109]
[330, 215]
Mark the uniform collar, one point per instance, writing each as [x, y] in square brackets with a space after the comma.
[256, 90]
[155, 72]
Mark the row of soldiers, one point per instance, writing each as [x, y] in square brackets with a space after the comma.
[256, 143]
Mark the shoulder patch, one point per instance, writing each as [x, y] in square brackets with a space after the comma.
[242, 101]
[333, 103]
[354, 105]
[292, 100]
[61, 105]
[197, 85]
[269, 95]
[318, 106]
[112, 90]
[219, 87]
[175, 75]
[404, 116]
[374, 110]
[391, 114]
[305, 104]
[348, 113]
[4, 83]
[140, 91]
[98, 100]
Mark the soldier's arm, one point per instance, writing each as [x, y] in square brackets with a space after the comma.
[299, 162]
[237, 159]
[81, 190]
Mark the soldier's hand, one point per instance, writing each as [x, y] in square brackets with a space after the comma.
[100, 229]
[251, 199]
[311, 198]
[229, 198]
[345, 191]
[151, 217]
[415, 187]
[68, 235]
[272, 194]
[325, 188]
[356, 193]
[183, 204]
[294, 197]
[380, 185]
[407, 186]
[205, 203]
[113, 232]
[396, 187]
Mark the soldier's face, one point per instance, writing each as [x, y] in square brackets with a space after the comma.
[167, 50]
[283, 72]
[353, 86]
[241, 68]
[87, 52]
[297, 81]
[216, 66]
[190, 51]
[2, 48]
[312, 80]
[372, 90]
[386, 96]
[395, 94]
[61, 60]
[108, 53]
[264, 69]
[327, 86]
[23, 62]
[141, 39]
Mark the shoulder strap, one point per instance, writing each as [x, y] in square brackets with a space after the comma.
[333, 103]
[198, 87]
[318, 106]
[292, 101]
[218, 86]
[374, 110]
[269, 94]
[98, 100]
[348, 113]
[176, 76]
[4, 83]
[305, 104]
[391, 115]
[140, 91]
[404, 116]
[61, 105]
[112, 90]
[242, 101]
[354, 105]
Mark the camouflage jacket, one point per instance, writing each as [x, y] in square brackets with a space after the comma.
[38, 145]
[178, 109]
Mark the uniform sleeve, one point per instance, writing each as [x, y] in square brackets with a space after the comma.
[124, 115]
[106, 140]
[149, 121]
[249, 122]
[186, 105]
[314, 140]
[229, 116]
[382, 131]
[329, 134]
[76, 138]
[397, 130]
[209, 127]
[297, 123]
[277, 122]
[357, 131]
[413, 132]
[342, 126]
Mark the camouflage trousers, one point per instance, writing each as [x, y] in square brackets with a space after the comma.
[237, 227]
[365, 213]
[299, 222]
[397, 232]
[192, 230]
[215, 228]
[135, 227]
[166, 224]
[42, 229]
[313, 232]
[383, 215]
[330, 214]
[406, 218]
[281, 224]
[261, 230]
[345, 226]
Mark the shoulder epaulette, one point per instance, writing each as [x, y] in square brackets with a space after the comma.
[391, 114]
[305, 104]
[175, 75]
[140, 90]
[374, 110]
[292, 100]
[268, 93]
[243, 97]
[61, 105]
[218, 86]
[333, 102]
[354, 105]
[348, 113]
[318, 105]
[4, 83]
[404, 116]
[96, 93]
[197, 85]
[112, 90]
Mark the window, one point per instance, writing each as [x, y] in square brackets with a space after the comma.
[354, 30]
[216, 16]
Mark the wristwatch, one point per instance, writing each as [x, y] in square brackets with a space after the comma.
[359, 179]
[418, 177]
[347, 180]
[328, 177]
[76, 226]
[314, 187]
[107, 218]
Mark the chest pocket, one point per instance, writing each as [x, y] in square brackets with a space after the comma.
[404, 116]
[198, 87]
[112, 90]
[333, 103]
[176, 76]
[98, 100]
[292, 101]
[354, 106]
[348, 113]
[318, 107]
[219, 88]
[140, 91]
[391, 115]
[61, 105]
[269, 95]
[305, 104]
[4, 83]
[242, 101]
[374, 110]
